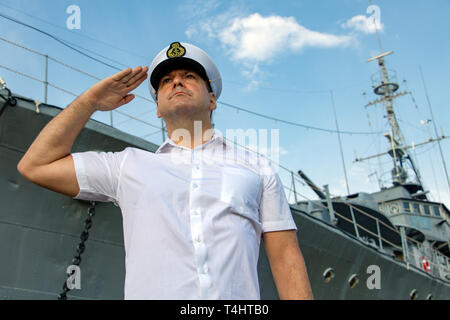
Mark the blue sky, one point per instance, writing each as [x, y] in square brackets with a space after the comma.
[280, 59]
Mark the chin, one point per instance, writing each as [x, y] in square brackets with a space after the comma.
[180, 110]
[183, 108]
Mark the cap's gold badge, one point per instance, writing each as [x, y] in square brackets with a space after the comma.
[176, 50]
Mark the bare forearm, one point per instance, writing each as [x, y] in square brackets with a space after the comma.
[287, 265]
[55, 141]
[291, 278]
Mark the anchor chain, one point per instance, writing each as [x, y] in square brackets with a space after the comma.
[80, 248]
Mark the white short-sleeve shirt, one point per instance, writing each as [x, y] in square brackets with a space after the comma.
[192, 218]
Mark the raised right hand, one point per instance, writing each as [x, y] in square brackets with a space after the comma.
[113, 92]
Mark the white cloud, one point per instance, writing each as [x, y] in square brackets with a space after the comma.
[254, 39]
[363, 24]
[260, 39]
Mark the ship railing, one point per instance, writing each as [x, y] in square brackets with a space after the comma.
[291, 175]
[111, 121]
[439, 264]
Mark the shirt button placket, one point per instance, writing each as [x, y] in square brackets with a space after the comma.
[196, 228]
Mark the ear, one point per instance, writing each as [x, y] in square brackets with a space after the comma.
[213, 102]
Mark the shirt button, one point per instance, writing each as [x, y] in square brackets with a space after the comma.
[194, 186]
[204, 270]
[195, 212]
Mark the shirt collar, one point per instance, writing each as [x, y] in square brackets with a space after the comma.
[168, 144]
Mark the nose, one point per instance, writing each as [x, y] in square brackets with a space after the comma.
[177, 81]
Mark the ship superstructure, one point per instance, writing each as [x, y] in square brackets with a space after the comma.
[398, 220]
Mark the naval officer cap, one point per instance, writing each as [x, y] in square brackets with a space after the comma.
[180, 55]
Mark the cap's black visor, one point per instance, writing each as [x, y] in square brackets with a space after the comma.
[173, 64]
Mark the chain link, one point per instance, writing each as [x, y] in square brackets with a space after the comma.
[80, 248]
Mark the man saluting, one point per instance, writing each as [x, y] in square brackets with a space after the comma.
[193, 216]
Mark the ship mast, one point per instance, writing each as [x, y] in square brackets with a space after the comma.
[387, 88]
[398, 151]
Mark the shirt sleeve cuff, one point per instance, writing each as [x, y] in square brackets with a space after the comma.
[80, 174]
[278, 225]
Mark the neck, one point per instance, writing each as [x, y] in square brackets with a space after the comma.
[191, 133]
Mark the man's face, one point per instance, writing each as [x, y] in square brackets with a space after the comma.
[183, 92]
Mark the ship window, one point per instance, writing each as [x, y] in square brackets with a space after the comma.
[413, 295]
[426, 209]
[328, 275]
[353, 281]
[416, 208]
[406, 207]
[436, 211]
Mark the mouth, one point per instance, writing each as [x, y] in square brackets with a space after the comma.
[176, 93]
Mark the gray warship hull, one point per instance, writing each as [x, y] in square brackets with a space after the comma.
[40, 230]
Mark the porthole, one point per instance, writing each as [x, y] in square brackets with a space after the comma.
[413, 294]
[353, 281]
[328, 275]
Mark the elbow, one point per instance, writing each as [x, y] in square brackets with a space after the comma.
[20, 168]
[24, 170]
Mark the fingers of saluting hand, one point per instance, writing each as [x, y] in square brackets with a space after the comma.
[137, 77]
[126, 99]
[118, 76]
[129, 77]
[136, 81]
[123, 82]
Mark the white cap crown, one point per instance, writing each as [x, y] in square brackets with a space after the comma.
[184, 55]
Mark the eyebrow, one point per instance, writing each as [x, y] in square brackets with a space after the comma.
[186, 71]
